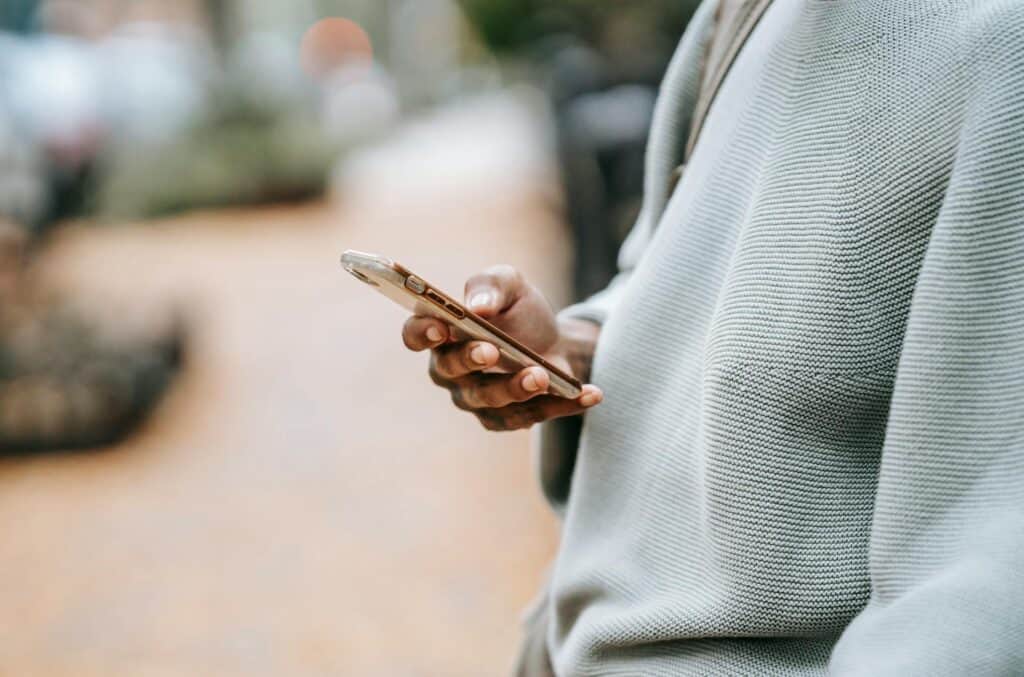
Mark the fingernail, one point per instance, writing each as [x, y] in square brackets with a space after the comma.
[434, 334]
[479, 355]
[482, 299]
[530, 384]
[590, 399]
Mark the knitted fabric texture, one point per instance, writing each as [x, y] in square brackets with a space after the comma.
[810, 456]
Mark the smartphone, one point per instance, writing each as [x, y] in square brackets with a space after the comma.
[422, 298]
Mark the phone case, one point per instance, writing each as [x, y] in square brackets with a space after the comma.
[421, 298]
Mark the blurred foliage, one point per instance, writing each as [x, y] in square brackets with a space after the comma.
[238, 156]
[69, 383]
[514, 25]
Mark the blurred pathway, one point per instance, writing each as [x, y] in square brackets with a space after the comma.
[305, 502]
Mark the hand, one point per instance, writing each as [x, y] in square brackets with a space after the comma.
[480, 382]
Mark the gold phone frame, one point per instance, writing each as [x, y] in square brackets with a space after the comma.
[420, 297]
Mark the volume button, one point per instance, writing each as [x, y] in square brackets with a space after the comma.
[415, 284]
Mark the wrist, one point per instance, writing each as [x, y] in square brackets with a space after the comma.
[577, 340]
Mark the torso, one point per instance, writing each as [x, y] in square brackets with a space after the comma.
[724, 490]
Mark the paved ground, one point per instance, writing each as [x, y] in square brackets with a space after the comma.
[304, 502]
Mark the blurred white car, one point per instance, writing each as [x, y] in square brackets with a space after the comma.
[63, 99]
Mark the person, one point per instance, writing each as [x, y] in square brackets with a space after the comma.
[805, 450]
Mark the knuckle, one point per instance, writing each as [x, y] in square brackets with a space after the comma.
[483, 395]
[486, 421]
[470, 395]
[492, 421]
[536, 415]
[517, 424]
[530, 415]
[522, 423]
[435, 374]
[411, 332]
[441, 364]
[459, 399]
[407, 334]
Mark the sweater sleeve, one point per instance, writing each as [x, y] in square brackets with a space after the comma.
[597, 307]
[947, 540]
[558, 440]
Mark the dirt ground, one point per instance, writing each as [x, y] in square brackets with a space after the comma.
[304, 502]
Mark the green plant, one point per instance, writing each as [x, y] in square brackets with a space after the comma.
[511, 25]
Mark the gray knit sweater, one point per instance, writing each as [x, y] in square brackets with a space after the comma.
[810, 457]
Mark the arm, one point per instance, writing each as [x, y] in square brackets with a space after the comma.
[947, 543]
[569, 340]
[558, 440]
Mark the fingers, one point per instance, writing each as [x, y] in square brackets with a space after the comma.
[421, 333]
[492, 291]
[490, 391]
[537, 410]
[458, 359]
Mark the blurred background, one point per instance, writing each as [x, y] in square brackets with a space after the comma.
[215, 456]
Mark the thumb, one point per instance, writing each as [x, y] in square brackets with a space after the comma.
[494, 290]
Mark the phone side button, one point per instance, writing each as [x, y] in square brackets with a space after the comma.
[415, 284]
